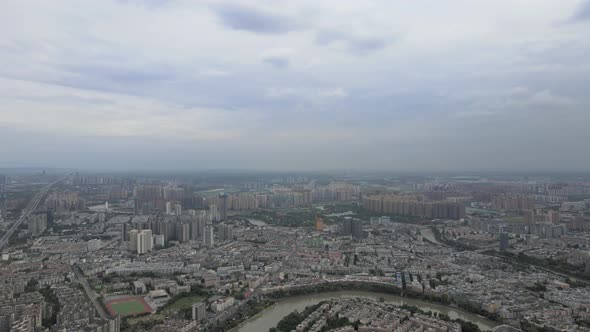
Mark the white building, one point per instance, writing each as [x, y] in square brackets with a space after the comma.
[208, 238]
[159, 240]
[94, 244]
[142, 241]
[222, 304]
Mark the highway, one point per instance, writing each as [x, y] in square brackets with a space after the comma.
[30, 208]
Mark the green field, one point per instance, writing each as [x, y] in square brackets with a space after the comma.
[514, 219]
[184, 302]
[128, 308]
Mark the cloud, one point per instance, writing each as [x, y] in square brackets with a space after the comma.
[336, 92]
[239, 17]
[275, 92]
[548, 99]
[214, 73]
[277, 61]
[355, 44]
[582, 13]
[367, 44]
[278, 57]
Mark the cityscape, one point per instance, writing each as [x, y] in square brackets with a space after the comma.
[295, 166]
[368, 252]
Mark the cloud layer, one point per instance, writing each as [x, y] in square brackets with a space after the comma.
[305, 85]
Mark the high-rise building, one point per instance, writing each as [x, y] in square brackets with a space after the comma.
[196, 229]
[346, 228]
[183, 232]
[553, 217]
[178, 209]
[208, 238]
[144, 241]
[168, 208]
[146, 208]
[213, 213]
[133, 239]
[125, 232]
[159, 240]
[50, 217]
[357, 229]
[352, 227]
[227, 232]
[37, 224]
[199, 313]
[223, 207]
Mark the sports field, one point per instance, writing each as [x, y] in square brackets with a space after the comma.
[127, 306]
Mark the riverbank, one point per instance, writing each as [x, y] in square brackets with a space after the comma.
[270, 316]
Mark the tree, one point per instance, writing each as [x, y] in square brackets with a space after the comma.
[31, 285]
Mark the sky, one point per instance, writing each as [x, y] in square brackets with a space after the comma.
[416, 85]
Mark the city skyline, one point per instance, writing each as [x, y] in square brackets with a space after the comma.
[380, 85]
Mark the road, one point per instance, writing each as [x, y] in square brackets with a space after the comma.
[89, 292]
[30, 208]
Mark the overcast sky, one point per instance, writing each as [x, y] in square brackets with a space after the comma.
[296, 85]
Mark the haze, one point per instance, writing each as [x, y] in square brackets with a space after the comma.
[310, 85]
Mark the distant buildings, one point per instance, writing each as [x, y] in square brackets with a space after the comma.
[411, 206]
[514, 203]
[64, 202]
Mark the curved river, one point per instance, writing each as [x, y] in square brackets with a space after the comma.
[271, 316]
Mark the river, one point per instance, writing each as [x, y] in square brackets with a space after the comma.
[271, 316]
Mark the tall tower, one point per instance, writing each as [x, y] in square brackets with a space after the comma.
[133, 240]
[208, 238]
[223, 207]
[227, 232]
[357, 229]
